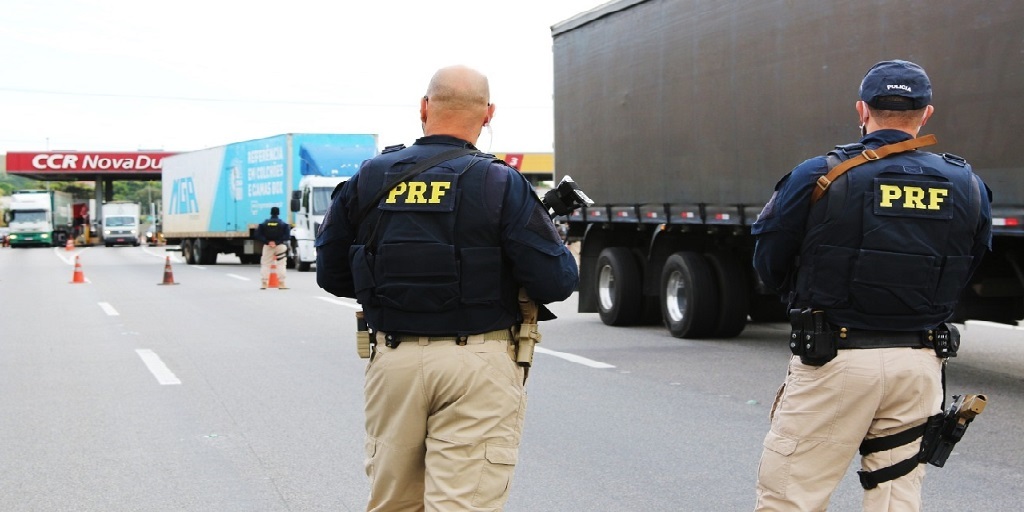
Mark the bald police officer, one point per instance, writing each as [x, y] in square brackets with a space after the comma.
[872, 270]
[435, 242]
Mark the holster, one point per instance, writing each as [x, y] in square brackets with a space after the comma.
[362, 336]
[811, 337]
[944, 430]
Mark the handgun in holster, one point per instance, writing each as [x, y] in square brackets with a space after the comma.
[362, 336]
[811, 337]
[528, 335]
[946, 429]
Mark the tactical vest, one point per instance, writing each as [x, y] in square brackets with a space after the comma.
[428, 258]
[902, 262]
[273, 229]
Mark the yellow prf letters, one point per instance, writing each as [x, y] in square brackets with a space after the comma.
[913, 197]
[416, 192]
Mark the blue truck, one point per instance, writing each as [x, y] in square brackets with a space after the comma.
[214, 198]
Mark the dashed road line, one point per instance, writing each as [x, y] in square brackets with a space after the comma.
[108, 309]
[156, 366]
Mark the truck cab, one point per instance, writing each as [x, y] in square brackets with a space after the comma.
[121, 224]
[309, 204]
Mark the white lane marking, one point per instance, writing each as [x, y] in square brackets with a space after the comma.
[996, 325]
[108, 309]
[67, 257]
[157, 367]
[174, 257]
[332, 300]
[573, 358]
[236, 276]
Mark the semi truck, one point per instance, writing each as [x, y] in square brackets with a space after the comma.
[39, 217]
[120, 220]
[678, 119]
[214, 198]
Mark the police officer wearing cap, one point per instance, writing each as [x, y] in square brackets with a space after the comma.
[274, 233]
[435, 241]
[872, 244]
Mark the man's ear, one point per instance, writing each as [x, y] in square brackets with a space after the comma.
[423, 109]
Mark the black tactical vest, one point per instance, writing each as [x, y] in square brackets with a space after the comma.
[889, 246]
[428, 258]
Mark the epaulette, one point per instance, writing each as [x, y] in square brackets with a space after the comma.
[849, 150]
[955, 160]
[391, 149]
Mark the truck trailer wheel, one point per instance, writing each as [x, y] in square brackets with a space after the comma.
[188, 252]
[689, 296]
[733, 296]
[618, 287]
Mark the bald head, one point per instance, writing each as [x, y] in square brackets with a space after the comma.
[457, 103]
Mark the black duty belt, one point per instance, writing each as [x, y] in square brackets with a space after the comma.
[858, 338]
[393, 340]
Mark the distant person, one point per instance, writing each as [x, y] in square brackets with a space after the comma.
[872, 271]
[437, 261]
[275, 235]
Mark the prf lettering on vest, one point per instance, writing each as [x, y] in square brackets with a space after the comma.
[919, 198]
[419, 192]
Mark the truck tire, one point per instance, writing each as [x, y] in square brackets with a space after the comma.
[303, 266]
[768, 308]
[689, 296]
[187, 253]
[205, 254]
[619, 300]
[733, 295]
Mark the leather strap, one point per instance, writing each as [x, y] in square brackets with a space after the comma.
[868, 155]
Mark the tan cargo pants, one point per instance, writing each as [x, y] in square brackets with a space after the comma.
[822, 414]
[277, 256]
[443, 424]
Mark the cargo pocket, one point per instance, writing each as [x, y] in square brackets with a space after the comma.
[370, 447]
[773, 470]
[496, 475]
[418, 277]
[889, 283]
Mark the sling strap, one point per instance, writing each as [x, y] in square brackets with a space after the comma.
[868, 155]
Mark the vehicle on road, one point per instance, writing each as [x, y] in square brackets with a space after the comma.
[39, 217]
[704, 106]
[214, 198]
[120, 221]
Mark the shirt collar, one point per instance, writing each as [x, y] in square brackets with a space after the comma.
[444, 139]
[883, 137]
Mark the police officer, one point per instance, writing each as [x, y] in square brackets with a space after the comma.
[275, 234]
[437, 259]
[872, 270]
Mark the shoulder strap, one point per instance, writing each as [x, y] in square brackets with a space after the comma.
[416, 169]
[868, 155]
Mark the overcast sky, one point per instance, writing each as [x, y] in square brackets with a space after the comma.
[113, 75]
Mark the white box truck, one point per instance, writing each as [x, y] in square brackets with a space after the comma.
[120, 220]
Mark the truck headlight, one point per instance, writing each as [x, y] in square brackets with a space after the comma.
[44, 235]
[106, 231]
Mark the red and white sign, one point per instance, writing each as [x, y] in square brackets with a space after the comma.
[86, 162]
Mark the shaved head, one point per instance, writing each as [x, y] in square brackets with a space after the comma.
[457, 103]
[460, 88]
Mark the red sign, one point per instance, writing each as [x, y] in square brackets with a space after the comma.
[86, 162]
[514, 160]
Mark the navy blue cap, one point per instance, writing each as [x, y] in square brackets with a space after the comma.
[896, 78]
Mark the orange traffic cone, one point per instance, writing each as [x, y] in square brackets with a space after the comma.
[78, 276]
[273, 282]
[168, 275]
[70, 246]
